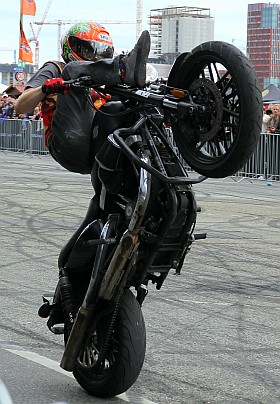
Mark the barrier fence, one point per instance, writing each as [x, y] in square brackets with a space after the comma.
[25, 136]
[22, 136]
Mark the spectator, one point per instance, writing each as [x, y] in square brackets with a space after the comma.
[23, 116]
[37, 115]
[275, 121]
[3, 114]
[5, 100]
[10, 110]
[267, 117]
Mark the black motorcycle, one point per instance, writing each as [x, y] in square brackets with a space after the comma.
[141, 222]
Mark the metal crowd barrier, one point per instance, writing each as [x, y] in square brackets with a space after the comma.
[27, 136]
[264, 163]
[22, 136]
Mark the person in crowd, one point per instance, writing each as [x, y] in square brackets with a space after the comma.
[3, 114]
[23, 116]
[37, 114]
[11, 111]
[267, 117]
[38, 117]
[274, 126]
[4, 101]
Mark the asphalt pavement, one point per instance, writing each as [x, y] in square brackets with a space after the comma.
[212, 332]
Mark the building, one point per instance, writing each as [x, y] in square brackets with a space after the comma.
[175, 30]
[14, 75]
[263, 35]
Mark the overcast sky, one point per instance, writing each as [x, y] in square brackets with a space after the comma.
[230, 21]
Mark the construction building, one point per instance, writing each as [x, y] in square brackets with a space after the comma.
[263, 46]
[175, 30]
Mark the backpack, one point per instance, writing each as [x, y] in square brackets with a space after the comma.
[68, 128]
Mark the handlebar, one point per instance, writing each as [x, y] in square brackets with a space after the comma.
[156, 95]
[150, 97]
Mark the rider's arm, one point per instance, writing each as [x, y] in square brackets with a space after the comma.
[29, 99]
[33, 94]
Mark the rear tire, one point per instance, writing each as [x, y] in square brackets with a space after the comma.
[125, 354]
[221, 78]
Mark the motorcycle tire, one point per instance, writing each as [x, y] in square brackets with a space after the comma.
[219, 141]
[125, 354]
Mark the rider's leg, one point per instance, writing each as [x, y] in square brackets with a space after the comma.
[56, 312]
[70, 143]
[92, 214]
[129, 69]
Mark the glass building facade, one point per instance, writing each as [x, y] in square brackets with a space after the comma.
[263, 47]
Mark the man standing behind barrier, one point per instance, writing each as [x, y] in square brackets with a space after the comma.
[275, 121]
[10, 110]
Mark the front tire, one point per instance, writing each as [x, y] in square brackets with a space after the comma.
[125, 354]
[219, 77]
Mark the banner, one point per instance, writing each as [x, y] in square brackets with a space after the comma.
[28, 7]
[25, 52]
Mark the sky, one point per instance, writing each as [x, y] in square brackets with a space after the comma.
[230, 22]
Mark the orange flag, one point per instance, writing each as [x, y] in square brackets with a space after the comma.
[25, 52]
[28, 7]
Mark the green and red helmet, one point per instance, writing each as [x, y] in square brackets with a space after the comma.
[87, 41]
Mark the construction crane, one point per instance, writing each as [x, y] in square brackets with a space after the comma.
[35, 36]
[59, 23]
[139, 7]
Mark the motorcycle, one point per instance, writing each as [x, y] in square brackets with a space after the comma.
[141, 223]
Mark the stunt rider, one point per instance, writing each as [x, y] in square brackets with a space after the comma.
[87, 50]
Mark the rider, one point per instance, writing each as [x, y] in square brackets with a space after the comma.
[87, 50]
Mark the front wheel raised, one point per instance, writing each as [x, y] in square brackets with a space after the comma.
[219, 77]
[124, 356]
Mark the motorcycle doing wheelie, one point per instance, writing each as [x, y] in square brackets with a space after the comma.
[141, 222]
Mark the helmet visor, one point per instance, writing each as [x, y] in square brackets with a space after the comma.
[91, 50]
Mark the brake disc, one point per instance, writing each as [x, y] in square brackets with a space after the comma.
[205, 92]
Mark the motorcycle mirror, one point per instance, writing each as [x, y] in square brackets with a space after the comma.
[151, 73]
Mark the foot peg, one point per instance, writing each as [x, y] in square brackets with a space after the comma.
[200, 236]
[51, 308]
[57, 329]
[45, 310]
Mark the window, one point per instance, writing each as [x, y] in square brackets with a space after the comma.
[269, 17]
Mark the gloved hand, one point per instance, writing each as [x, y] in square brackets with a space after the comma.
[53, 86]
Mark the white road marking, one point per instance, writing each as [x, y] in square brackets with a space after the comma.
[199, 302]
[128, 397]
[41, 360]
[5, 397]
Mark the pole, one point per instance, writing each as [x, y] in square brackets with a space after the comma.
[59, 40]
[20, 25]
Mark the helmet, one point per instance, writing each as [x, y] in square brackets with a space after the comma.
[87, 41]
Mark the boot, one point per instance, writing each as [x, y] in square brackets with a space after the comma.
[135, 62]
[129, 69]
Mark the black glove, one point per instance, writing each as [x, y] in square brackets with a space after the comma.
[56, 85]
